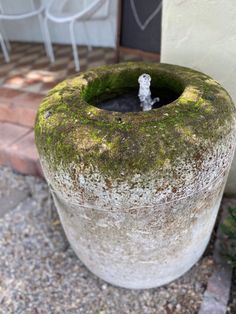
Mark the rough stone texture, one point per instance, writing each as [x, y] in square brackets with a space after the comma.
[140, 247]
[39, 272]
[131, 187]
[201, 35]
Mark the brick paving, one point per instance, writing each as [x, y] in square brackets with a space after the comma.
[17, 115]
[18, 107]
[17, 149]
[30, 70]
[23, 84]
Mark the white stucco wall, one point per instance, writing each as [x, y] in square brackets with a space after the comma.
[202, 34]
[101, 33]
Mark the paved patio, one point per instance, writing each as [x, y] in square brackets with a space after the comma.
[30, 70]
[23, 84]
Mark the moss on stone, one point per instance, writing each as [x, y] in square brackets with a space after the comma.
[70, 129]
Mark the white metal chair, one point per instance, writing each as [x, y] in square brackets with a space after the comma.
[37, 9]
[89, 10]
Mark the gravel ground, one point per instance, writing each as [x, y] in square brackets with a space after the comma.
[39, 273]
[232, 302]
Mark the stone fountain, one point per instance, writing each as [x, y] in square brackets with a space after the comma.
[137, 190]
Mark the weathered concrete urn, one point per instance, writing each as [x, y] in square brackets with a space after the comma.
[137, 192]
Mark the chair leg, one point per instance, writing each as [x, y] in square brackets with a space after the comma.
[7, 42]
[88, 37]
[112, 33]
[48, 43]
[74, 46]
[40, 18]
[4, 35]
[4, 49]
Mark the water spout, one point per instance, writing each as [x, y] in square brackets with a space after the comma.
[146, 101]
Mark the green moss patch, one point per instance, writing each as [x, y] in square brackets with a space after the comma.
[70, 129]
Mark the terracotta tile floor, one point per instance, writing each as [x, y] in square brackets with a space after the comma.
[30, 70]
[23, 83]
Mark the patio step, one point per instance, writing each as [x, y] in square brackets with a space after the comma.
[18, 150]
[17, 116]
[18, 107]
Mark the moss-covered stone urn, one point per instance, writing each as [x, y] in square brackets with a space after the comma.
[137, 192]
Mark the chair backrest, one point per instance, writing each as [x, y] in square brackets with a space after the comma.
[72, 6]
[102, 12]
[18, 7]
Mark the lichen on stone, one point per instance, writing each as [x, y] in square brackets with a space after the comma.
[134, 142]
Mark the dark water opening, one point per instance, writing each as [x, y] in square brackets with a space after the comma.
[129, 101]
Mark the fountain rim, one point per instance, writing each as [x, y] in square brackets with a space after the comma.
[191, 87]
[196, 88]
[68, 128]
